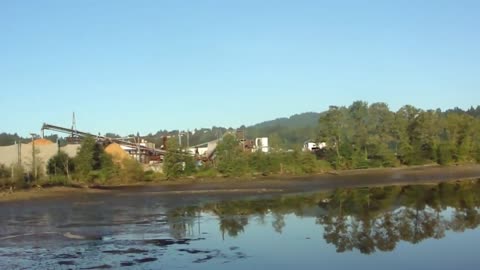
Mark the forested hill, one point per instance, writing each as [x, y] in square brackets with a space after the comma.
[9, 139]
[366, 135]
[289, 132]
[308, 119]
[286, 132]
[475, 112]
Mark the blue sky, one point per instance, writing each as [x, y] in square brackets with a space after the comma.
[128, 66]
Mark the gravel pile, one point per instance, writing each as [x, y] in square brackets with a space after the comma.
[43, 152]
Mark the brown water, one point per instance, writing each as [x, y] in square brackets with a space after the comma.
[410, 227]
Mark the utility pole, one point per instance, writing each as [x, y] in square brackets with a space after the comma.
[179, 138]
[34, 167]
[19, 149]
[19, 153]
[74, 124]
[138, 147]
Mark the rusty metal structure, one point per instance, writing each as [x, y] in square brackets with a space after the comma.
[139, 151]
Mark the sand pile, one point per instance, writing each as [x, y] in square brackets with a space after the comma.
[117, 152]
[43, 152]
[71, 149]
[9, 154]
[42, 141]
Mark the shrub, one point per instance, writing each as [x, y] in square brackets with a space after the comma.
[151, 175]
[54, 180]
[131, 171]
[18, 179]
[4, 172]
[323, 165]
[207, 172]
[444, 154]
[60, 164]
[176, 162]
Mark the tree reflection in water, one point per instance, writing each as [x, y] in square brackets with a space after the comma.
[364, 219]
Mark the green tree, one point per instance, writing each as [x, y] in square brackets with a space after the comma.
[4, 172]
[380, 142]
[131, 171]
[177, 162]
[404, 119]
[307, 162]
[230, 158]
[60, 164]
[86, 159]
[92, 163]
[276, 142]
[358, 117]
[444, 154]
[332, 130]
[422, 130]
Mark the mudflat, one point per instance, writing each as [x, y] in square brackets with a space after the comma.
[261, 185]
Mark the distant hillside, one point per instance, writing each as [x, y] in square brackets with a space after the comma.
[289, 132]
[285, 132]
[303, 120]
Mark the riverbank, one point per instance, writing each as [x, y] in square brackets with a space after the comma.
[277, 184]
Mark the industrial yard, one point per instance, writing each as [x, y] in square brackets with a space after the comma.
[36, 154]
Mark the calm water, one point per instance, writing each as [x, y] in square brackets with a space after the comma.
[410, 227]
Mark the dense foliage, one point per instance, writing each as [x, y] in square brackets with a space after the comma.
[9, 139]
[177, 163]
[356, 219]
[363, 135]
[12, 176]
[287, 133]
[232, 160]
[61, 164]
[92, 165]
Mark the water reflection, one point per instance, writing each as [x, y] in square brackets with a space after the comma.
[137, 230]
[363, 219]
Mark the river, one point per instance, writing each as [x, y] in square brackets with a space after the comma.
[431, 226]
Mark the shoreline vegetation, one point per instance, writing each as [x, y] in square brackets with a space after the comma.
[426, 174]
[360, 136]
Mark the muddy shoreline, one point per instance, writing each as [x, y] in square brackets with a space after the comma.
[264, 185]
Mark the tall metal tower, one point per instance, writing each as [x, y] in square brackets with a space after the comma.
[74, 124]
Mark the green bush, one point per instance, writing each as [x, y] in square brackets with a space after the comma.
[444, 154]
[150, 176]
[54, 180]
[5, 177]
[60, 164]
[307, 162]
[206, 172]
[18, 179]
[323, 165]
[93, 165]
[176, 162]
[5, 172]
[131, 171]
[264, 163]
[231, 160]
[476, 153]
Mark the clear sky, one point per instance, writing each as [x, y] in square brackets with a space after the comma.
[128, 66]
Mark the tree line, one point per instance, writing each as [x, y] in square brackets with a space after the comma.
[363, 135]
[91, 166]
[357, 136]
[364, 219]
[233, 160]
